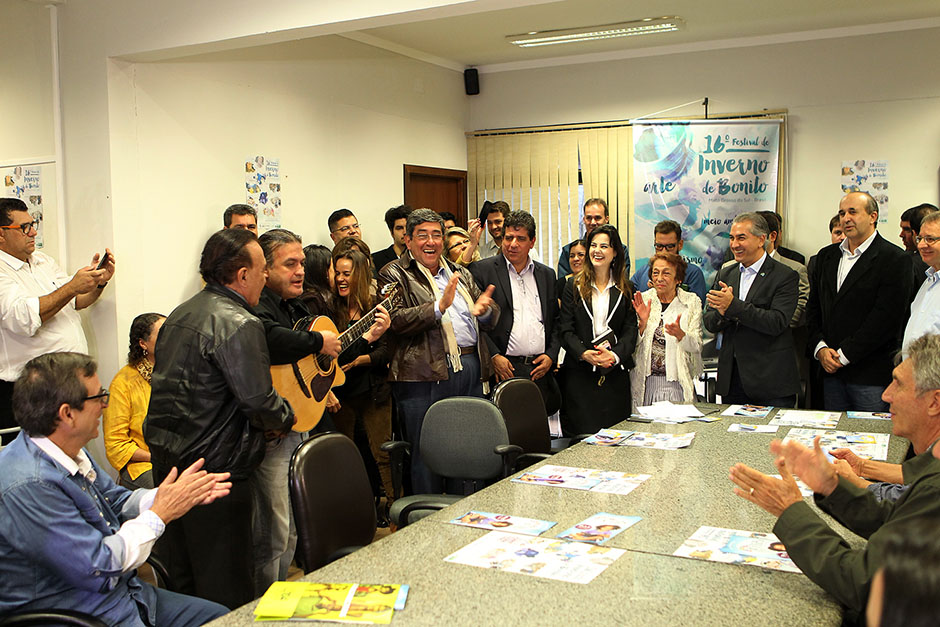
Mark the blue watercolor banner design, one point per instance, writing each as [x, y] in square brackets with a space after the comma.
[701, 175]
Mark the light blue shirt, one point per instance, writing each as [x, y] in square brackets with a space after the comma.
[748, 275]
[460, 317]
[925, 310]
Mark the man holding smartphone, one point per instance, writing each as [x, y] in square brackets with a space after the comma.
[39, 302]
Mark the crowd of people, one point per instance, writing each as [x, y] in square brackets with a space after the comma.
[200, 433]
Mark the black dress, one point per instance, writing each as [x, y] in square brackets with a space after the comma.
[594, 399]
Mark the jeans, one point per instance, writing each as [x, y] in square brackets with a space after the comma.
[273, 531]
[415, 397]
[841, 396]
[181, 610]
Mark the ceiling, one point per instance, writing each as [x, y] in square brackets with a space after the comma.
[478, 39]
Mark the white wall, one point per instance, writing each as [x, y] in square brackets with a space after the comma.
[873, 97]
[341, 116]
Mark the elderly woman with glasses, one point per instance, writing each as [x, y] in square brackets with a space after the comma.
[127, 407]
[461, 245]
[668, 354]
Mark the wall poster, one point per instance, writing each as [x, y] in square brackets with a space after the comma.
[263, 190]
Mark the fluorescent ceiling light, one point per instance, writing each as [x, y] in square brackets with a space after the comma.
[646, 26]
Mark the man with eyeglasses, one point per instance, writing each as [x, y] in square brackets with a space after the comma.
[70, 538]
[667, 237]
[39, 302]
[343, 223]
[925, 310]
[240, 217]
[595, 214]
[439, 351]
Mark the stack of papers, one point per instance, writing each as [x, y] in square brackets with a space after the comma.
[336, 602]
[551, 558]
[867, 445]
[800, 418]
[503, 522]
[670, 413]
[665, 441]
[606, 481]
[733, 546]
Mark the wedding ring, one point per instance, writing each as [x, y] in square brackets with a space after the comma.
[752, 491]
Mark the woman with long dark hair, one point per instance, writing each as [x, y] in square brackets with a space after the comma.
[599, 330]
[365, 399]
[127, 406]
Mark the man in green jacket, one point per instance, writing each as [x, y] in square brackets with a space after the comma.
[820, 552]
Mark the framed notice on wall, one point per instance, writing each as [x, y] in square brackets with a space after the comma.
[25, 183]
[263, 190]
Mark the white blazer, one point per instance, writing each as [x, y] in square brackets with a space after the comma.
[683, 359]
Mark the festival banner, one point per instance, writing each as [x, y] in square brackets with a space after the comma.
[701, 173]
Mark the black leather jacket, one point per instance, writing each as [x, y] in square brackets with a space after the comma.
[211, 392]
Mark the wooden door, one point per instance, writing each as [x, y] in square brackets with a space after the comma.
[438, 189]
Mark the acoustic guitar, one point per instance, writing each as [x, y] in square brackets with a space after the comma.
[306, 383]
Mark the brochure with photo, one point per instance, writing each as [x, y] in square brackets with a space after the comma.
[732, 546]
[503, 522]
[599, 528]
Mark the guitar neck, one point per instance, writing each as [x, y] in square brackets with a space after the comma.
[348, 337]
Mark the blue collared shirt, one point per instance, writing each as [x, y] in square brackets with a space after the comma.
[925, 310]
[460, 317]
[58, 542]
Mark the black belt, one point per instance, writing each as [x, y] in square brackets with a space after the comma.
[468, 350]
[524, 359]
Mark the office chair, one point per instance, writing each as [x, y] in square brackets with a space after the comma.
[462, 438]
[520, 402]
[331, 498]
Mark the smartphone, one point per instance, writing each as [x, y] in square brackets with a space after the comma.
[104, 260]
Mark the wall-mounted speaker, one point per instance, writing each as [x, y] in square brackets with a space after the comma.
[471, 81]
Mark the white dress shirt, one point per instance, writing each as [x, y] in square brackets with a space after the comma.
[748, 274]
[925, 310]
[24, 334]
[527, 336]
[137, 534]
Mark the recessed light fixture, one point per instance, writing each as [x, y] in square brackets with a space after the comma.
[646, 26]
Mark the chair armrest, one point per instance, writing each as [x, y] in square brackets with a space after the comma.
[510, 453]
[527, 459]
[51, 617]
[160, 572]
[340, 553]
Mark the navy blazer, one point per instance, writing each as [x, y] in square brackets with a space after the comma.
[865, 318]
[756, 331]
[493, 271]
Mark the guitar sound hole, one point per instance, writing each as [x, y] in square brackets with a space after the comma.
[324, 362]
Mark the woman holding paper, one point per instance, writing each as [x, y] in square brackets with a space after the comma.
[598, 331]
[669, 352]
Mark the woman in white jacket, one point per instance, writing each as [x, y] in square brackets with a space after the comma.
[668, 354]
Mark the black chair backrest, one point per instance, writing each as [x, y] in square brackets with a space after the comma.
[521, 403]
[331, 498]
[52, 617]
[459, 435]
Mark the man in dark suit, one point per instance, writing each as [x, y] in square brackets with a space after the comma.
[789, 253]
[524, 342]
[751, 304]
[859, 299]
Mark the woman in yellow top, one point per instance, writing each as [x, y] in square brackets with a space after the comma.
[127, 408]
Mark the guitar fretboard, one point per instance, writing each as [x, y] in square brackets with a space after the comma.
[358, 328]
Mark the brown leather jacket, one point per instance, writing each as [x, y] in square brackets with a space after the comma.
[416, 338]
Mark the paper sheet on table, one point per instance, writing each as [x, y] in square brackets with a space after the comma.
[666, 409]
[869, 415]
[599, 528]
[746, 428]
[732, 546]
[748, 411]
[595, 480]
[335, 602]
[551, 558]
[664, 441]
[867, 445]
[504, 522]
[801, 418]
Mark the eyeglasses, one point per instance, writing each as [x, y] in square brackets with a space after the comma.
[436, 236]
[104, 396]
[661, 247]
[927, 238]
[26, 227]
[348, 228]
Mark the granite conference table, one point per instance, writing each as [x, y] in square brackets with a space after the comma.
[647, 585]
